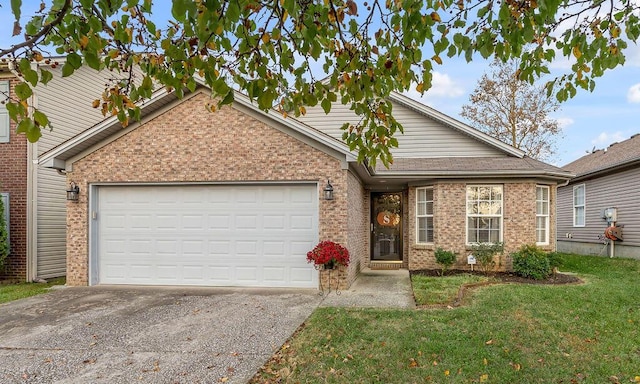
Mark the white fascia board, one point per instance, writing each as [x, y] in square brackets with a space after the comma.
[450, 121]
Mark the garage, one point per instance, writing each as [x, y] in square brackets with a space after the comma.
[207, 235]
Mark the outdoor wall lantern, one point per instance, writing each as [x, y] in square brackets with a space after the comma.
[328, 191]
[73, 192]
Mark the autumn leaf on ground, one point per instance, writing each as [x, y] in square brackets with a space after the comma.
[413, 363]
[515, 366]
[484, 378]
[489, 342]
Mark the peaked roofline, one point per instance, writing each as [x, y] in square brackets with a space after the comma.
[456, 124]
[58, 156]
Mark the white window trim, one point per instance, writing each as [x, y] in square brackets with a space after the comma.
[584, 205]
[546, 216]
[421, 216]
[466, 212]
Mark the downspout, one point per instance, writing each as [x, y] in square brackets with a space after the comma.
[32, 213]
[555, 205]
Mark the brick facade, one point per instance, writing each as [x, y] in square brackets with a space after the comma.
[189, 144]
[13, 180]
[449, 206]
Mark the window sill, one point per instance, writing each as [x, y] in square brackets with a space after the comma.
[428, 246]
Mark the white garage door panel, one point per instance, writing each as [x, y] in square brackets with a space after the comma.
[207, 235]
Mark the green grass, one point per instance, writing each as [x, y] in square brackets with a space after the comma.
[505, 333]
[430, 290]
[10, 292]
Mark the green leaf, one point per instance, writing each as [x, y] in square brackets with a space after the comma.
[28, 127]
[92, 60]
[179, 10]
[228, 98]
[16, 6]
[45, 76]
[326, 106]
[15, 110]
[75, 60]
[40, 118]
[31, 76]
[67, 70]
[23, 91]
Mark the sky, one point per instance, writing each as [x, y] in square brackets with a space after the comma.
[590, 120]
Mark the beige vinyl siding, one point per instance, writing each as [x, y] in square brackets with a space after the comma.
[621, 190]
[67, 103]
[52, 224]
[422, 138]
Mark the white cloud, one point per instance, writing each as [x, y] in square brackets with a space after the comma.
[605, 138]
[633, 94]
[564, 122]
[443, 86]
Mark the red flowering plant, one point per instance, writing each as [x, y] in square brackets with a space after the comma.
[329, 254]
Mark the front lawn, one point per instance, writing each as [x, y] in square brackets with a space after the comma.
[504, 333]
[10, 292]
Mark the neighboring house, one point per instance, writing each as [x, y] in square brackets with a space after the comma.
[235, 198]
[606, 178]
[36, 195]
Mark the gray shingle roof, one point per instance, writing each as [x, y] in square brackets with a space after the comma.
[469, 164]
[615, 155]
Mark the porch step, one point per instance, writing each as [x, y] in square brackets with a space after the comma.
[386, 265]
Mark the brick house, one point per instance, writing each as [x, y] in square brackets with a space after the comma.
[235, 198]
[13, 183]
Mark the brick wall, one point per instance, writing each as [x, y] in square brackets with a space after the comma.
[519, 223]
[357, 226]
[13, 180]
[186, 144]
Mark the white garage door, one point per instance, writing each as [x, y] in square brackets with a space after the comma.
[207, 235]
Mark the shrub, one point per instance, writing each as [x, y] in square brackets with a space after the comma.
[445, 258]
[485, 254]
[531, 261]
[555, 261]
[4, 241]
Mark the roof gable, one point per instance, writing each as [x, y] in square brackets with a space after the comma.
[427, 133]
[62, 156]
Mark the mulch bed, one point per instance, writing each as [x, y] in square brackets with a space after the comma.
[506, 277]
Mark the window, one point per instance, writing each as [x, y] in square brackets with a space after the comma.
[4, 114]
[578, 205]
[542, 215]
[484, 214]
[424, 215]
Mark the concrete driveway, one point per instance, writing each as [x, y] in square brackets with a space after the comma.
[147, 335]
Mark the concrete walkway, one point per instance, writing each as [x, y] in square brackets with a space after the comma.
[375, 289]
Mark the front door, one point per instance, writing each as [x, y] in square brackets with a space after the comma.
[386, 229]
